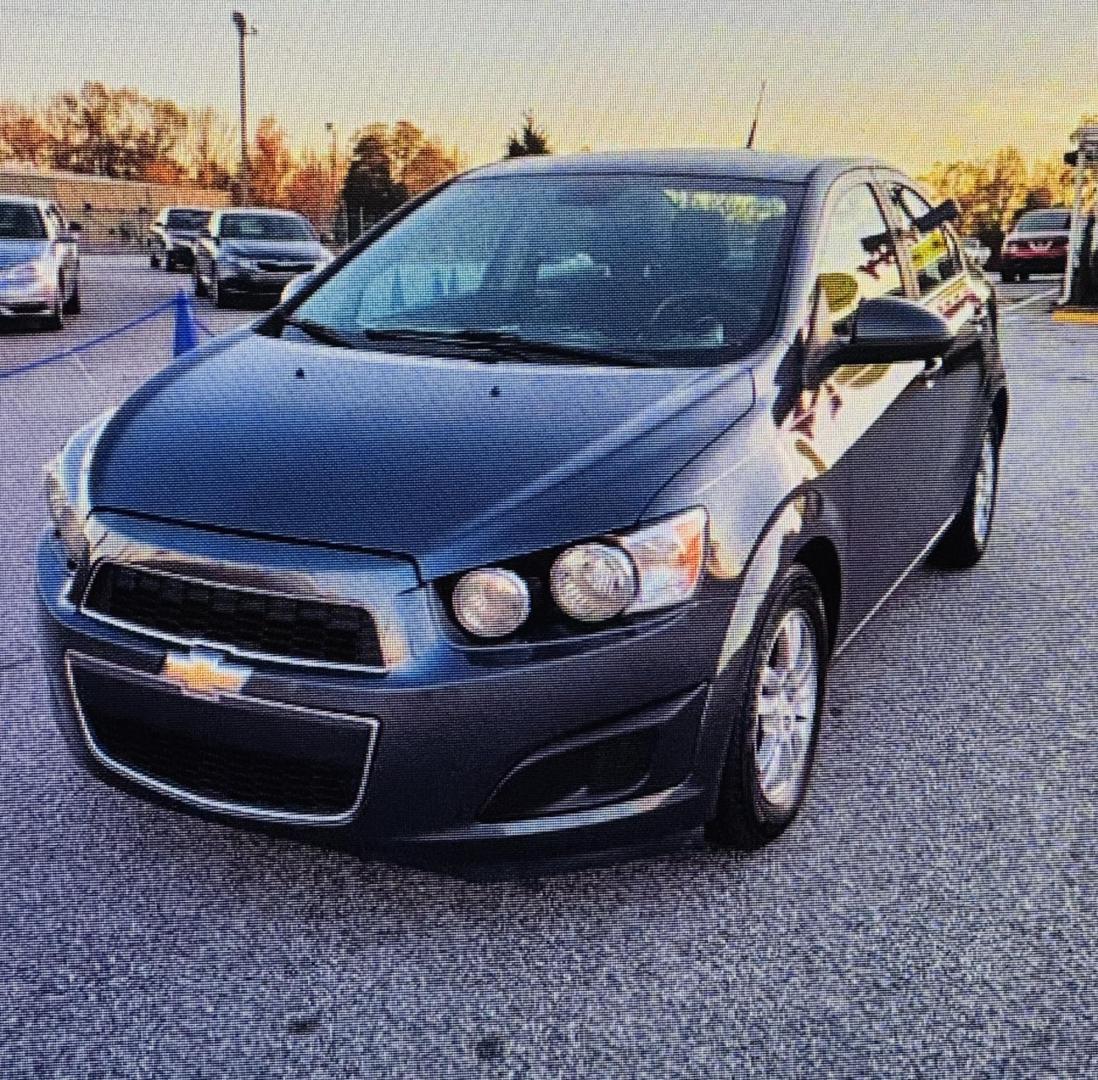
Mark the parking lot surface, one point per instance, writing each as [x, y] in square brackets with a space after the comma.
[932, 913]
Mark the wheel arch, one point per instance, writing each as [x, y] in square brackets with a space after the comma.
[820, 558]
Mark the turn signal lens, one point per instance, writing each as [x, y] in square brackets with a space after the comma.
[67, 522]
[669, 557]
[491, 603]
[593, 582]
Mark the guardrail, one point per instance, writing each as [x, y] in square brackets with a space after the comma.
[186, 334]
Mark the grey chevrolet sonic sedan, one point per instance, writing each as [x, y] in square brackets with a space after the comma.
[531, 526]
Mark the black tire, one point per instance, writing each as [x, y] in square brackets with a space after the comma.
[963, 544]
[199, 285]
[218, 296]
[1007, 277]
[72, 307]
[154, 260]
[169, 263]
[1023, 278]
[745, 818]
[55, 320]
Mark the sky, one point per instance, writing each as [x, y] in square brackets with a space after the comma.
[912, 82]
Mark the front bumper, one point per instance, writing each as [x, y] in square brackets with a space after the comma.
[558, 753]
[255, 282]
[1029, 263]
[19, 301]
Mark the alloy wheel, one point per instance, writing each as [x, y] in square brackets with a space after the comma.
[983, 500]
[785, 708]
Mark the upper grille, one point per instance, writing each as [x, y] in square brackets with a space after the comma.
[245, 620]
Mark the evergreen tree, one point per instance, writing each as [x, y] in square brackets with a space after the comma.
[530, 141]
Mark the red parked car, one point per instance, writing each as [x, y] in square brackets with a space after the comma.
[1038, 244]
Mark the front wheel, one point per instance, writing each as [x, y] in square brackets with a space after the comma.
[966, 539]
[199, 285]
[73, 305]
[774, 733]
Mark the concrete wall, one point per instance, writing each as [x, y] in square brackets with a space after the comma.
[120, 210]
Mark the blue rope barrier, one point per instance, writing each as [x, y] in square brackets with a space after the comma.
[184, 336]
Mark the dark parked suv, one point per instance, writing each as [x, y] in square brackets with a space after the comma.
[254, 252]
[1038, 244]
[173, 234]
[532, 524]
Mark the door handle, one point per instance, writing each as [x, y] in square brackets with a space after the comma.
[931, 371]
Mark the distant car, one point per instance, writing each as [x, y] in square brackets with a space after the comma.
[39, 262]
[254, 252]
[976, 250]
[172, 236]
[1038, 244]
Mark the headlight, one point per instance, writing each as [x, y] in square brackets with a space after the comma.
[593, 582]
[653, 567]
[67, 520]
[669, 557]
[491, 603]
[26, 273]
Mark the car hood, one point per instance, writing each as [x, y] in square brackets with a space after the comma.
[17, 251]
[451, 462]
[285, 249]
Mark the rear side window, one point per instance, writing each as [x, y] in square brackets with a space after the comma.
[859, 259]
[934, 254]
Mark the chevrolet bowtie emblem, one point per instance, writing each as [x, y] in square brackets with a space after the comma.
[204, 674]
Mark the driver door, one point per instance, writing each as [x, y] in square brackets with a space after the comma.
[891, 446]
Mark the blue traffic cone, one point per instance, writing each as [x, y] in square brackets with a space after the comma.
[186, 328]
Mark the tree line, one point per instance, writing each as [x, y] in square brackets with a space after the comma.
[123, 134]
[993, 191]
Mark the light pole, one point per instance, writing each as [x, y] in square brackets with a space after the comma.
[330, 127]
[243, 30]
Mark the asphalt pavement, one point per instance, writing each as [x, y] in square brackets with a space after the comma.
[932, 913]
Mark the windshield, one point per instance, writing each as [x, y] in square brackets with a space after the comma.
[19, 222]
[264, 227]
[188, 219]
[1044, 221]
[668, 270]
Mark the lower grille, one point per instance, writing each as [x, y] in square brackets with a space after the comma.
[238, 755]
[246, 621]
[284, 267]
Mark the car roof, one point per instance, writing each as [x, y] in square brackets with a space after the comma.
[24, 200]
[191, 209]
[744, 164]
[272, 211]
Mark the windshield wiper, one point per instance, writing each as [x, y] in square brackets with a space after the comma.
[506, 342]
[320, 332]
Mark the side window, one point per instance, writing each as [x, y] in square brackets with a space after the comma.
[935, 254]
[859, 257]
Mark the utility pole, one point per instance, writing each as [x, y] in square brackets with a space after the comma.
[243, 31]
[333, 163]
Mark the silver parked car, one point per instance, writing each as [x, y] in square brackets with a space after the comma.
[39, 262]
[255, 252]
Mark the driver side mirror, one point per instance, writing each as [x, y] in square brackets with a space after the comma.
[885, 330]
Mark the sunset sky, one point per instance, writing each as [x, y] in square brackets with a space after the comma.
[911, 82]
